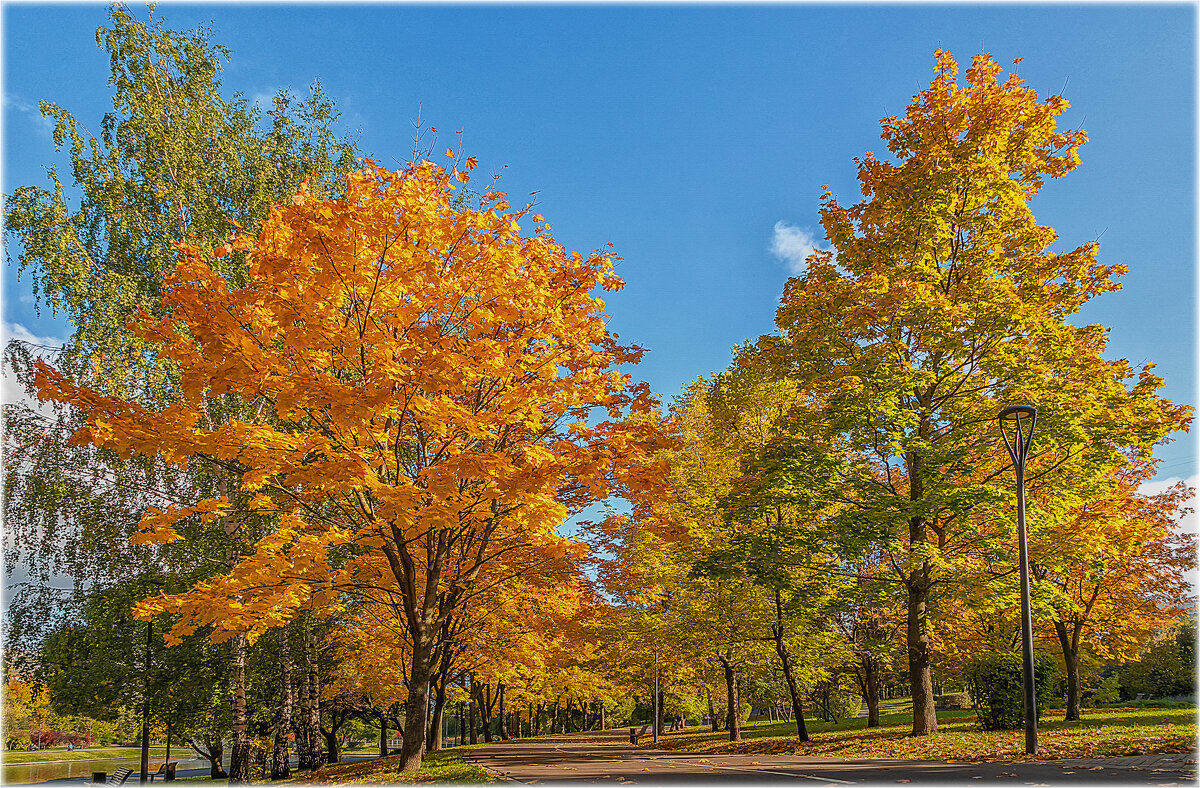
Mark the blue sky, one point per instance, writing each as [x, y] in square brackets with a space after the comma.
[696, 138]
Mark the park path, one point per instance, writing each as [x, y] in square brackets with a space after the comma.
[607, 757]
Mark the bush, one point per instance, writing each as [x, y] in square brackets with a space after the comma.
[845, 703]
[16, 743]
[994, 684]
[1109, 691]
[953, 700]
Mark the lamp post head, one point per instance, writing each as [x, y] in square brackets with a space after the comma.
[1018, 445]
[1016, 412]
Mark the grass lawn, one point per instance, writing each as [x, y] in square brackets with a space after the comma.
[442, 766]
[90, 753]
[1101, 733]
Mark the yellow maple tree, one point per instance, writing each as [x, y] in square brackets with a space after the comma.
[426, 389]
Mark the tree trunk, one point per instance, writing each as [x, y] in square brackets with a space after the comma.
[871, 672]
[603, 721]
[920, 658]
[212, 750]
[920, 671]
[503, 714]
[308, 738]
[712, 714]
[1070, 651]
[483, 699]
[732, 707]
[785, 659]
[416, 711]
[383, 732]
[331, 744]
[473, 724]
[280, 766]
[239, 753]
[434, 742]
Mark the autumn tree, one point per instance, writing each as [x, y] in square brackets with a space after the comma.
[423, 375]
[940, 302]
[1118, 570]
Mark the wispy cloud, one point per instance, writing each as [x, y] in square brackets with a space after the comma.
[43, 124]
[793, 245]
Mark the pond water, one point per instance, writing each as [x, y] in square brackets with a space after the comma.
[24, 773]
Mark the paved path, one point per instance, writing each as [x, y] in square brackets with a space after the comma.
[608, 758]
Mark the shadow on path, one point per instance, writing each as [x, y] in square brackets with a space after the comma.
[609, 758]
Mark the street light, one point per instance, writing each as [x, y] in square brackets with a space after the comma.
[657, 699]
[1018, 449]
[145, 759]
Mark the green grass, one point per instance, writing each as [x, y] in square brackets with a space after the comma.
[441, 766]
[87, 754]
[1101, 733]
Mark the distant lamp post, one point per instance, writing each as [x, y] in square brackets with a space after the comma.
[657, 698]
[1015, 418]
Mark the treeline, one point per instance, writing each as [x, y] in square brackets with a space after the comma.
[843, 503]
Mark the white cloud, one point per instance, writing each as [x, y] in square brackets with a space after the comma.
[11, 390]
[1190, 522]
[793, 245]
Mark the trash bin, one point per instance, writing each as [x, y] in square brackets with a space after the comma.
[99, 777]
[633, 735]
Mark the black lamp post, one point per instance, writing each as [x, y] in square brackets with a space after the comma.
[657, 698]
[1016, 417]
[145, 761]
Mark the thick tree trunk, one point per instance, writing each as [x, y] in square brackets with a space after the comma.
[920, 673]
[416, 712]
[308, 737]
[280, 767]
[239, 752]
[383, 736]
[712, 714]
[333, 752]
[733, 720]
[920, 657]
[473, 724]
[785, 659]
[1070, 649]
[603, 721]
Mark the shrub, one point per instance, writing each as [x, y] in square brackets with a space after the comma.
[16, 743]
[845, 703]
[1109, 691]
[953, 700]
[994, 684]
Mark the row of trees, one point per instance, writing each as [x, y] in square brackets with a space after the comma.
[842, 495]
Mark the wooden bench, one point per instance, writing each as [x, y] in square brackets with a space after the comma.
[119, 776]
[165, 771]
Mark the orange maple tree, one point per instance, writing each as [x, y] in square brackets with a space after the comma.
[417, 392]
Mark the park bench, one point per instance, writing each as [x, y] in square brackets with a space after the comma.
[119, 776]
[165, 771]
[634, 733]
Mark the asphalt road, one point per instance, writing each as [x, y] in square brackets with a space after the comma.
[608, 758]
